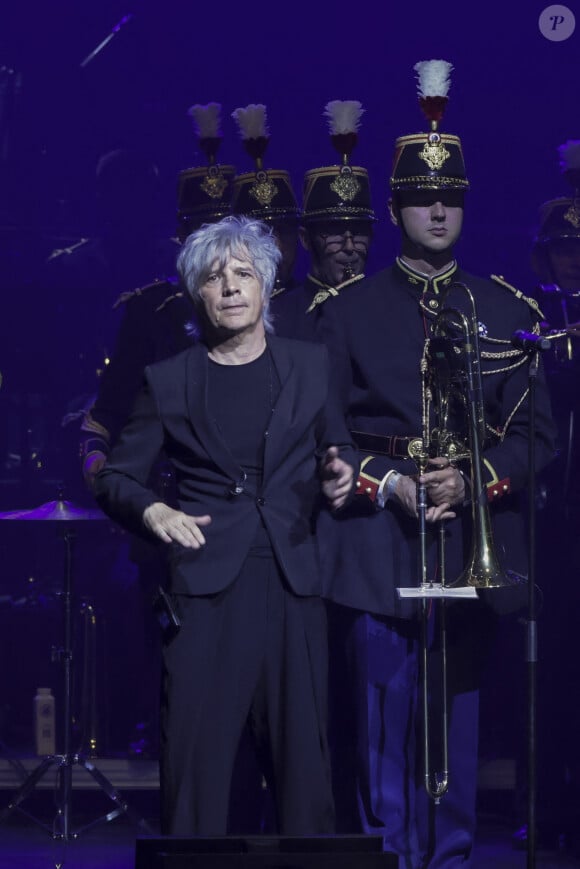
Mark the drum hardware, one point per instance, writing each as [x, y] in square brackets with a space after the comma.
[89, 718]
[63, 511]
[55, 511]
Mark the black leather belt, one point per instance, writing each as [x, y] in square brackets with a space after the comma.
[394, 446]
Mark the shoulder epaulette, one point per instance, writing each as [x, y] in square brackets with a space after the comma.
[498, 279]
[172, 298]
[59, 251]
[91, 426]
[139, 291]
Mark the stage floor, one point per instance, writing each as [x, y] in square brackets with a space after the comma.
[23, 845]
[112, 846]
[103, 844]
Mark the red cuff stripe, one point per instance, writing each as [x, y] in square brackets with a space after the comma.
[498, 489]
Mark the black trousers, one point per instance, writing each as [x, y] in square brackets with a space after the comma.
[254, 651]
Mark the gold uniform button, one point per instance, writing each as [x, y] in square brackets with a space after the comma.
[433, 303]
[358, 484]
[506, 488]
[368, 490]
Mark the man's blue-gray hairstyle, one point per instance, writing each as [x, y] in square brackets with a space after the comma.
[239, 237]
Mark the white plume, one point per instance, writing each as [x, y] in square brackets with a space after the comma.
[343, 116]
[206, 120]
[252, 121]
[569, 155]
[433, 77]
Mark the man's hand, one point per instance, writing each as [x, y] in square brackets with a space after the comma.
[169, 524]
[405, 494]
[337, 476]
[445, 488]
[91, 467]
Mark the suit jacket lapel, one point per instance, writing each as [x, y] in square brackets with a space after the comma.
[283, 413]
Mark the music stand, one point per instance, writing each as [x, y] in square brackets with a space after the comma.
[64, 511]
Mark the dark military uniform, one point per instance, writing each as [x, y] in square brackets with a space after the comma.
[335, 198]
[153, 327]
[376, 335]
[81, 285]
[84, 281]
[297, 310]
[556, 261]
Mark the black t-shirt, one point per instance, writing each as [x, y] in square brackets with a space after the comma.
[240, 400]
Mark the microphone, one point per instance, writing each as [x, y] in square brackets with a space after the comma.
[530, 343]
[237, 488]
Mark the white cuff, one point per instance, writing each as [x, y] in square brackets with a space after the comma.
[387, 487]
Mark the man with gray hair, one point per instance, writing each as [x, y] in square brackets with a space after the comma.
[255, 437]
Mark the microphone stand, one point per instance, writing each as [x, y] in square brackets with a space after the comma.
[533, 345]
[532, 635]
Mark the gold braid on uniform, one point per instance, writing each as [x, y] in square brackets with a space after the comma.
[518, 356]
[426, 396]
[513, 353]
[518, 294]
[326, 291]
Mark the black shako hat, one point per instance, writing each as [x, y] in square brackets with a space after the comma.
[264, 194]
[430, 160]
[339, 192]
[559, 218]
[204, 193]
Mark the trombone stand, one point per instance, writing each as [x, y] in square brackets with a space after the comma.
[64, 763]
[436, 784]
[426, 589]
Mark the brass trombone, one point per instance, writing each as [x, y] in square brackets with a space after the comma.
[456, 372]
[452, 383]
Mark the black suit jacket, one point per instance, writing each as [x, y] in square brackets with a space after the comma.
[171, 413]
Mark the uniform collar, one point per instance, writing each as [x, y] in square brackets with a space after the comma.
[426, 283]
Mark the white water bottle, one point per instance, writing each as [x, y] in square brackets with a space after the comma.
[44, 722]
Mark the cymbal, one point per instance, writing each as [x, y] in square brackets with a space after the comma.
[55, 511]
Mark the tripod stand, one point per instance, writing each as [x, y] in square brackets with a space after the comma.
[65, 762]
